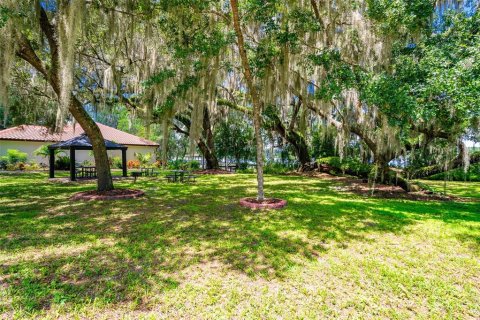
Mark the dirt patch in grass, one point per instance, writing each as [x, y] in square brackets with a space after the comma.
[116, 194]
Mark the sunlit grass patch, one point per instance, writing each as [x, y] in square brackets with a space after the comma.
[189, 250]
[456, 188]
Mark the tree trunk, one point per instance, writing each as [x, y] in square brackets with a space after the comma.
[210, 157]
[26, 52]
[206, 144]
[207, 147]
[257, 106]
[300, 146]
[104, 175]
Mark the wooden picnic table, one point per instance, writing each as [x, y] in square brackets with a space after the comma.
[86, 172]
[180, 175]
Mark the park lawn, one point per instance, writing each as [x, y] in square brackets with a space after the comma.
[456, 188]
[189, 251]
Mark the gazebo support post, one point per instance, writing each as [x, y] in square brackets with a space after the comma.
[52, 163]
[124, 162]
[72, 164]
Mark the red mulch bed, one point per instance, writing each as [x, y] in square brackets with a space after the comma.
[270, 203]
[212, 171]
[117, 194]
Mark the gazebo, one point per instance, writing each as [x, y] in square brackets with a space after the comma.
[82, 142]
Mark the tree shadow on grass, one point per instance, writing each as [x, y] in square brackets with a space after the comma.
[62, 252]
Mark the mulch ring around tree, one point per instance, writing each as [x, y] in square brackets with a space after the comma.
[212, 171]
[116, 194]
[269, 203]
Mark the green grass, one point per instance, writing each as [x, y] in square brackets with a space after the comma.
[189, 251]
[455, 188]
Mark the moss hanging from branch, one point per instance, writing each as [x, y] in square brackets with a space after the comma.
[69, 26]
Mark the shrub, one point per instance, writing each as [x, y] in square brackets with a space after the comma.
[116, 162]
[176, 164]
[193, 165]
[355, 167]
[143, 158]
[14, 156]
[158, 164]
[133, 164]
[20, 166]
[247, 170]
[3, 163]
[243, 166]
[62, 163]
[276, 168]
[32, 166]
[183, 165]
[352, 166]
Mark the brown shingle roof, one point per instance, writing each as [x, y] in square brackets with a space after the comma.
[39, 133]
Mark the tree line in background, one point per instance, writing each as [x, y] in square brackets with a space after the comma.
[362, 85]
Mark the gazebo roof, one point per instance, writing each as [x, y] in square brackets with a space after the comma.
[82, 142]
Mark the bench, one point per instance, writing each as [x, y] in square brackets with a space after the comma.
[170, 178]
[149, 172]
[189, 178]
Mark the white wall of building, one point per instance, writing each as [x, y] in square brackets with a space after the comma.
[24, 146]
[83, 155]
[80, 155]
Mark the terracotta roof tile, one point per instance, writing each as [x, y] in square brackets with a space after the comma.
[39, 133]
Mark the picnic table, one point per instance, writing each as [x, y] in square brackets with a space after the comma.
[144, 172]
[180, 175]
[86, 172]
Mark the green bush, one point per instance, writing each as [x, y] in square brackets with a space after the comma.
[333, 162]
[15, 156]
[352, 166]
[183, 165]
[116, 162]
[32, 166]
[356, 167]
[3, 163]
[62, 163]
[276, 168]
[20, 166]
[144, 158]
[176, 164]
[247, 170]
[193, 165]
[243, 166]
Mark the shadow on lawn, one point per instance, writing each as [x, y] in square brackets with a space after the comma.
[55, 251]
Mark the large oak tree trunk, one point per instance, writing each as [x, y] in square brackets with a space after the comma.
[211, 160]
[207, 147]
[206, 144]
[104, 175]
[27, 53]
[257, 106]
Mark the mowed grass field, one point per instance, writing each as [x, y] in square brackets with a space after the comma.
[191, 252]
[455, 188]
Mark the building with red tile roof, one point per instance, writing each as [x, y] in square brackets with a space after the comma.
[28, 138]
